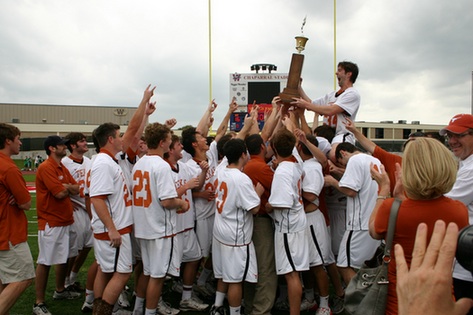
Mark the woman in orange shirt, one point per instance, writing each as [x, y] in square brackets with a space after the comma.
[428, 172]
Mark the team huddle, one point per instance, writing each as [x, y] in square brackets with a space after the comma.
[277, 216]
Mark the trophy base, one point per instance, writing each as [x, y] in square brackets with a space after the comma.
[286, 98]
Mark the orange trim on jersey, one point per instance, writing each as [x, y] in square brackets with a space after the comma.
[77, 160]
[104, 236]
[109, 153]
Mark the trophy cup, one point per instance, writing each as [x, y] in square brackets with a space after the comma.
[291, 89]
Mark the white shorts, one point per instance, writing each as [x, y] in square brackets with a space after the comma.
[160, 257]
[187, 246]
[114, 259]
[291, 251]
[234, 264]
[320, 246]
[81, 225]
[356, 247]
[204, 230]
[337, 227]
[56, 245]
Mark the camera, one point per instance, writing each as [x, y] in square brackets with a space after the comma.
[464, 252]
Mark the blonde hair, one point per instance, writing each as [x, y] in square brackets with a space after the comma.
[429, 169]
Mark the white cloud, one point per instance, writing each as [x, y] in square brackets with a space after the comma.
[414, 56]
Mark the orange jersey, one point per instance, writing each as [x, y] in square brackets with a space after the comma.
[49, 182]
[13, 222]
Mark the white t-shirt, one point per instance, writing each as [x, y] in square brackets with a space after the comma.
[463, 191]
[205, 208]
[233, 224]
[184, 220]
[107, 179]
[153, 182]
[78, 170]
[349, 101]
[286, 192]
[313, 180]
[357, 177]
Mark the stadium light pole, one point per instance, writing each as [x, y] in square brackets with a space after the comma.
[210, 50]
[334, 44]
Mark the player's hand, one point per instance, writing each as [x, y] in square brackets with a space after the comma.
[170, 122]
[208, 194]
[329, 180]
[276, 102]
[115, 238]
[259, 189]
[192, 183]
[204, 165]
[148, 93]
[233, 105]
[427, 286]
[212, 106]
[300, 135]
[184, 206]
[350, 125]
[150, 108]
[299, 102]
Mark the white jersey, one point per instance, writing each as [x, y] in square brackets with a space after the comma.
[349, 101]
[313, 180]
[127, 165]
[107, 179]
[184, 220]
[357, 177]
[78, 169]
[153, 182]
[233, 224]
[463, 191]
[286, 193]
[204, 208]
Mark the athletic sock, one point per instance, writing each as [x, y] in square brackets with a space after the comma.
[309, 294]
[89, 296]
[186, 292]
[219, 297]
[324, 301]
[139, 303]
[235, 310]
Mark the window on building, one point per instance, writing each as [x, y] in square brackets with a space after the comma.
[406, 133]
[379, 133]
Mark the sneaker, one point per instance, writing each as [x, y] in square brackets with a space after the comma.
[76, 287]
[192, 305]
[123, 299]
[338, 304]
[282, 305]
[323, 311]
[218, 310]
[166, 309]
[307, 305]
[67, 294]
[204, 291]
[40, 309]
[87, 307]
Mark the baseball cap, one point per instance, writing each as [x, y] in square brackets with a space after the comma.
[54, 141]
[458, 124]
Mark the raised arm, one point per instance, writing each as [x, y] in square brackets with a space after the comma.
[316, 152]
[366, 143]
[271, 121]
[137, 119]
[203, 126]
[222, 129]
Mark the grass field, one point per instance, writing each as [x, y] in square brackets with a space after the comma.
[71, 307]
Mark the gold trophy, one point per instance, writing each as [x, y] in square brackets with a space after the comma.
[295, 70]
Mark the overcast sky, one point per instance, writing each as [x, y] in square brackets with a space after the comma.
[415, 57]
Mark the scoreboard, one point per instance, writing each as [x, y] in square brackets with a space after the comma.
[248, 88]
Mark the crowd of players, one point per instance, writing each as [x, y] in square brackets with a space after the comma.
[276, 216]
